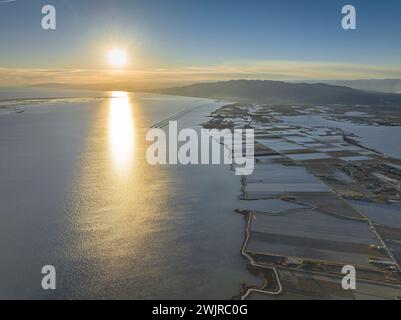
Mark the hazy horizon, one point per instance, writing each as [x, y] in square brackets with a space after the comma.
[190, 42]
[200, 150]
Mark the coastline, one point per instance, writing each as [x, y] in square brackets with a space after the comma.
[276, 267]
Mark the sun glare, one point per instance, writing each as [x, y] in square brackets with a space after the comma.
[121, 130]
[117, 58]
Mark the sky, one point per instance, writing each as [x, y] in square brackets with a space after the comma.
[171, 42]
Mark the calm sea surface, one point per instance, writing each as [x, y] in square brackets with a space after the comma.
[76, 192]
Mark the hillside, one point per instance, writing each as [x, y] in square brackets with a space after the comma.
[381, 85]
[283, 92]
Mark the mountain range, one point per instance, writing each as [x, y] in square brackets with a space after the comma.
[267, 91]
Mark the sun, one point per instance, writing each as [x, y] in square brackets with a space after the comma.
[117, 58]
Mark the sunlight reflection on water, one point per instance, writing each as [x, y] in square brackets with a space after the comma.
[121, 131]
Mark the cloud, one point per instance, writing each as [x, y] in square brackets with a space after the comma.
[275, 70]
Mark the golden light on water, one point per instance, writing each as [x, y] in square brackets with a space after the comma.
[119, 200]
[117, 58]
[121, 130]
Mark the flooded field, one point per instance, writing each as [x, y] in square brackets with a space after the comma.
[324, 194]
[374, 137]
